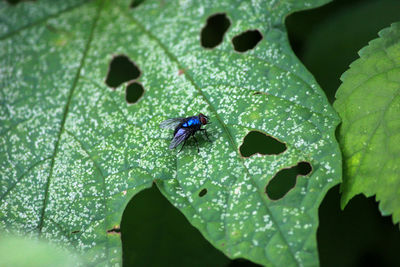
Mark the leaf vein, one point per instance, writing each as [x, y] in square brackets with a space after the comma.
[231, 141]
[64, 116]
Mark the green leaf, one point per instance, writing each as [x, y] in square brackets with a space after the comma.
[369, 103]
[73, 152]
[35, 253]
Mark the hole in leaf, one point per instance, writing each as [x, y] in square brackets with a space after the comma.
[246, 40]
[258, 142]
[304, 168]
[133, 92]
[153, 231]
[14, 2]
[115, 230]
[214, 31]
[203, 192]
[75, 232]
[285, 180]
[135, 3]
[121, 70]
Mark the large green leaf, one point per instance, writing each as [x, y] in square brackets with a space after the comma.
[73, 152]
[369, 103]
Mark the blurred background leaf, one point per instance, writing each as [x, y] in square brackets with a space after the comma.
[23, 252]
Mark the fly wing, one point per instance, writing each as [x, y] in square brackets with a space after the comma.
[181, 135]
[171, 123]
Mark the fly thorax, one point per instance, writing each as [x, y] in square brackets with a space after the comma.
[191, 122]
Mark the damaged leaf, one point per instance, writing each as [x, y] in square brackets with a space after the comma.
[73, 152]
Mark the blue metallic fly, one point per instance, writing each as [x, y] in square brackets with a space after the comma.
[185, 128]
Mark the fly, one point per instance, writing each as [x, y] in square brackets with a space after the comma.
[185, 128]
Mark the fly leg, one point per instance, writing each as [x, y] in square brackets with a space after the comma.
[182, 146]
[197, 144]
[205, 131]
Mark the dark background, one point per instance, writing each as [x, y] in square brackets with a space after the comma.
[326, 40]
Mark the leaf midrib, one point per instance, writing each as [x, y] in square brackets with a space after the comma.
[65, 113]
[381, 119]
[231, 141]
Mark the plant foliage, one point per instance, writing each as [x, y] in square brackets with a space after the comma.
[369, 103]
[73, 152]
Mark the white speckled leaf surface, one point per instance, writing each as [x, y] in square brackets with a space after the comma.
[73, 152]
